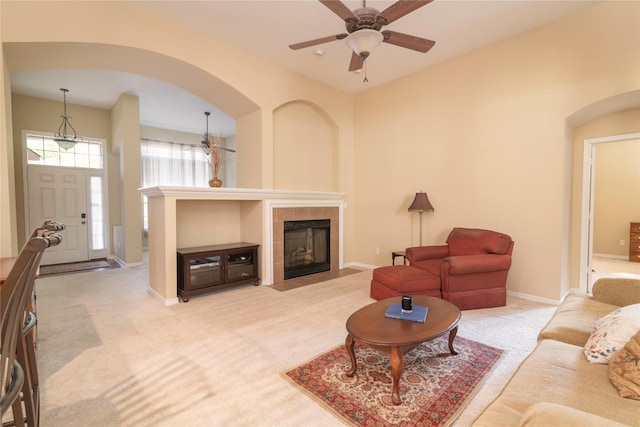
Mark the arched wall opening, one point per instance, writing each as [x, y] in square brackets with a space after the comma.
[62, 55]
[578, 131]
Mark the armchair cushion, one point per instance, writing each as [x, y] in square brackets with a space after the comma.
[473, 264]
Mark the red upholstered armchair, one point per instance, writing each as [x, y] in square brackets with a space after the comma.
[472, 266]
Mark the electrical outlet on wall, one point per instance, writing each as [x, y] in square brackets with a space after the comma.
[622, 242]
[377, 251]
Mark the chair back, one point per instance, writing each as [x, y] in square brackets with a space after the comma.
[15, 295]
[475, 241]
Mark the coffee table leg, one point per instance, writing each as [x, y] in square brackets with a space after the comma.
[348, 343]
[452, 336]
[397, 362]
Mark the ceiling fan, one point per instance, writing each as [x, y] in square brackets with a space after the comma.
[363, 29]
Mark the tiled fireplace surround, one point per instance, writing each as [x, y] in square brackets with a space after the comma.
[280, 215]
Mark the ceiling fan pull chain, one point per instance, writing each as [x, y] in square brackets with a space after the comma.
[366, 80]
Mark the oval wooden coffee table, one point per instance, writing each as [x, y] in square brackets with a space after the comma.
[398, 337]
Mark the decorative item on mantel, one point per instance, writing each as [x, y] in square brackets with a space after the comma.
[216, 152]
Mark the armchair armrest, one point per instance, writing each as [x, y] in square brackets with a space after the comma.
[420, 253]
[470, 264]
[617, 291]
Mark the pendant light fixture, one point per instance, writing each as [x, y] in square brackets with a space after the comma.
[62, 138]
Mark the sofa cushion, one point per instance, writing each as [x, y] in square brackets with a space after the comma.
[547, 414]
[471, 241]
[624, 369]
[558, 372]
[574, 319]
[611, 333]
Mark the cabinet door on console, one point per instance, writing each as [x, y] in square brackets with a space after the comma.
[205, 271]
[241, 264]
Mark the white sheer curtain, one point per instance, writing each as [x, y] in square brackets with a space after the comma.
[169, 163]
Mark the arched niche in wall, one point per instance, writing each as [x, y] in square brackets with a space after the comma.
[305, 152]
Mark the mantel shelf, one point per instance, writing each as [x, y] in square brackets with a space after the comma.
[207, 193]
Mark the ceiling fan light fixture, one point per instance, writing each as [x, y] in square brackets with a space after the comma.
[207, 136]
[365, 40]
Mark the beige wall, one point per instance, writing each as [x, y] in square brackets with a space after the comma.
[8, 224]
[484, 136]
[206, 223]
[125, 131]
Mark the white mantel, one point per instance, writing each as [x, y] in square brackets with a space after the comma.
[164, 227]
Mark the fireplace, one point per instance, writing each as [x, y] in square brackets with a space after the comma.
[307, 247]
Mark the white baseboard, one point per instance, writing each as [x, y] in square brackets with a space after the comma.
[124, 264]
[360, 265]
[529, 297]
[622, 257]
[163, 301]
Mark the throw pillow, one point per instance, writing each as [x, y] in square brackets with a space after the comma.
[611, 332]
[624, 369]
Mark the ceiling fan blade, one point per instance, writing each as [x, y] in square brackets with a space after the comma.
[337, 7]
[309, 43]
[400, 8]
[357, 62]
[405, 40]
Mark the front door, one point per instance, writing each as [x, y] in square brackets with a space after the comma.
[60, 194]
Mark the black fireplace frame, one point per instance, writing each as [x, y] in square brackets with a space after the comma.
[304, 270]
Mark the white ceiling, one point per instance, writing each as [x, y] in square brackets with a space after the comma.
[267, 27]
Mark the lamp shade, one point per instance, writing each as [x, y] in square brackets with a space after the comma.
[421, 203]
[364, 40]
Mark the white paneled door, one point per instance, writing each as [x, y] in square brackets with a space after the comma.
[60, 194]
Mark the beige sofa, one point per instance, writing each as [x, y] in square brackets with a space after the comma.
[555, 385]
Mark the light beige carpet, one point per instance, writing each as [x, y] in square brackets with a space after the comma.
[111, 355]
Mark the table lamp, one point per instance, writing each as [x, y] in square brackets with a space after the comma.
[420, 204]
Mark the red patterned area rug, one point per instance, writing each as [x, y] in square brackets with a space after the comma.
[434, 386]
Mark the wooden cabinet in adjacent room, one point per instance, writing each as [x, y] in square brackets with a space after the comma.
[634, 242]
[205, 268]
